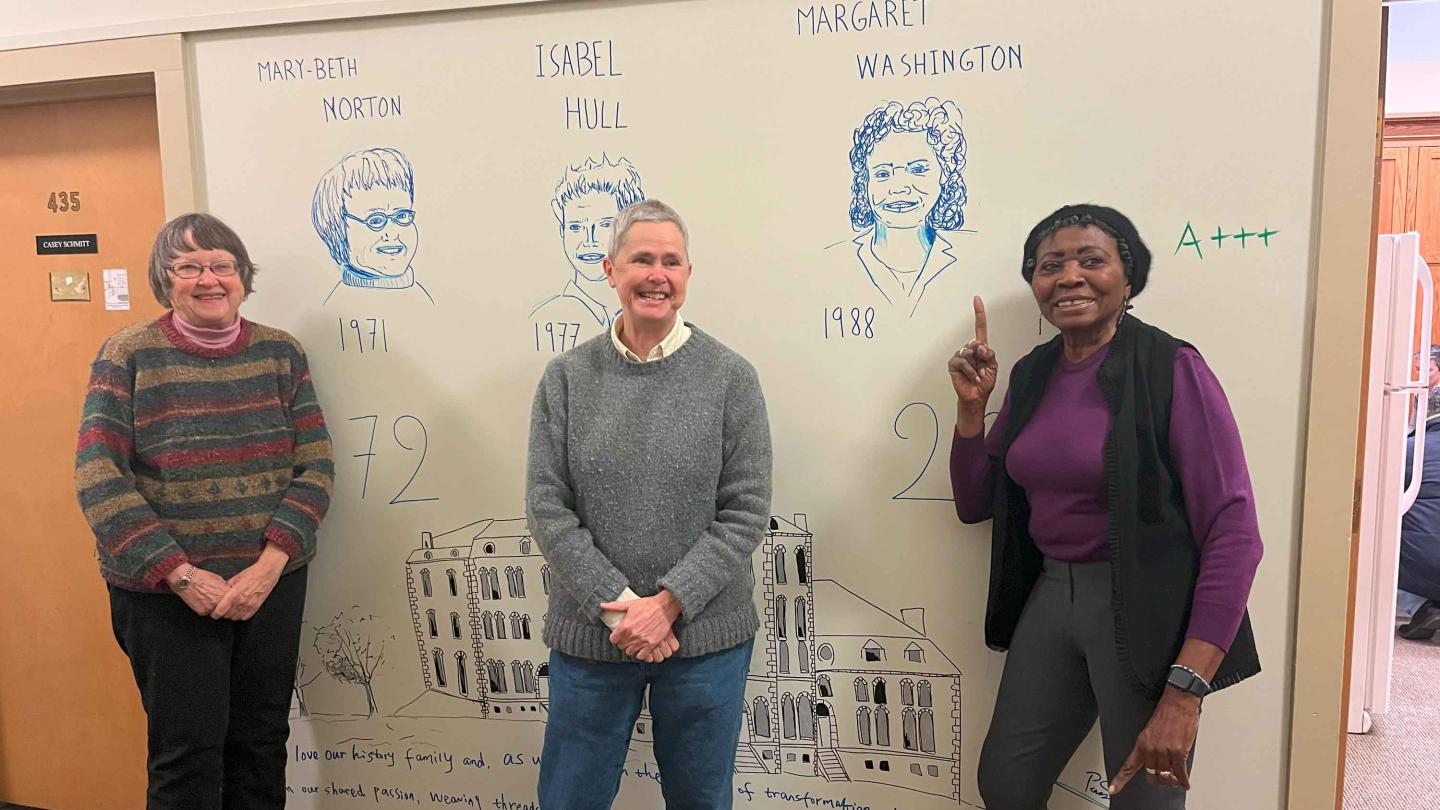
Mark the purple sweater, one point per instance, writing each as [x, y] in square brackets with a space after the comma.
[1058, 459]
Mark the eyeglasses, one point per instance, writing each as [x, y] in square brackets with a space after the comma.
[189, 270]
[376, 221]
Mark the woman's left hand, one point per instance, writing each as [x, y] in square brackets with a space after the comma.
[250, 587]
[1162, 751]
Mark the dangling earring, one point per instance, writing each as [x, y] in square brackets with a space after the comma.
[1124, 308]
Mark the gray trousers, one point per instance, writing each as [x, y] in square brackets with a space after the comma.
[1060, 674]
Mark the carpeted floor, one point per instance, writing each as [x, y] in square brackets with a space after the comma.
[1394, 766]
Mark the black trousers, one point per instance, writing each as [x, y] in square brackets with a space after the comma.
[216, 696]
[1061, 673]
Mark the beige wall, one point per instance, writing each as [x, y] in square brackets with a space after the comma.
[1344, 253]
[35, 23]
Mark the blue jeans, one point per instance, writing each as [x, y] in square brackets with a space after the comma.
[695, 708]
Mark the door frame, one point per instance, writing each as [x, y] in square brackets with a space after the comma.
[117, 69]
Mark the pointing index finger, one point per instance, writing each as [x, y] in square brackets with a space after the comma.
[981, 328]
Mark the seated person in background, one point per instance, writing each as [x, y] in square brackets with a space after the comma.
[1420, 528]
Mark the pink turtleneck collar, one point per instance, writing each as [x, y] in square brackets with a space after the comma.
[206, 336]
[205, 342]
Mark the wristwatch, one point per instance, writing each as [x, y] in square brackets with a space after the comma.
[184, 581]
[1188, 680]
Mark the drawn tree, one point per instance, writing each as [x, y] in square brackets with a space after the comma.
[301, 669]
[352, 648]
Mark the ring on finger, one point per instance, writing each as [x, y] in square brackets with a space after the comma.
[1168, 774]
[1152, 771]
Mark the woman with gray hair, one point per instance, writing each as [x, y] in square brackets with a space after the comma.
[204, 469]
[648, 490]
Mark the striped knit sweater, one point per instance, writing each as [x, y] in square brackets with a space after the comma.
[198, 455]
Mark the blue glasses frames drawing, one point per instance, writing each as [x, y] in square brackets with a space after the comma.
[377, 219]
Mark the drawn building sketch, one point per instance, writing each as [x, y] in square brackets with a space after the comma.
[586, 201]
[364, 211]
[907, 198]
[844, 690]
[839, 688]
[476, 610]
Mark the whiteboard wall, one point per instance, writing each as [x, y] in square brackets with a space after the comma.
[743, 115]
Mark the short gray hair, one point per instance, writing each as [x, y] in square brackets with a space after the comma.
[189, 232]
[651, 210]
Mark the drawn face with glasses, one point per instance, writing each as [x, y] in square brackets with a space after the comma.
[206, 288]
[380, 230]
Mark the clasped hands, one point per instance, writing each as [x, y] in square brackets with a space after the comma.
[238, 597]
[647, 631]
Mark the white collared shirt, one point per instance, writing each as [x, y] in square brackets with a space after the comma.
[673, 341]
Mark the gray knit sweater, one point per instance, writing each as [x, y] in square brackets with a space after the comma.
[649, 475]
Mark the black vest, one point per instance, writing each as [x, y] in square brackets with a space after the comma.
[1154, 560]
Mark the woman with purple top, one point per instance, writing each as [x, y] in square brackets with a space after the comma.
[1125, 539]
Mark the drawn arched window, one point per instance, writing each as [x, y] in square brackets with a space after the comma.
[434, 629]
[927, 731]
[909, 737]
[515, 625]
[515, 580]
[530, 685]
[862, 691]
[545, 578]
[801, 567]
[525, 546]
[784, 657]
[525, 626]
[454, 585]
[787, 716]
[804, 650]
[914, 654]
[455, 625]
[800, 617]
[519, 673]
[499, 624]
[822, 686]
[496, 670]
[882, 725]
[425, 582]
[879, 690]
[779, 561]
[780, 616]
[760, 716]
[826, 652]
[805, 716]
[489, 626]
[907, 692]
[494, 583]
[925, 694]
[862, 724]
[439, 659]
[872, 651]
[460, 678]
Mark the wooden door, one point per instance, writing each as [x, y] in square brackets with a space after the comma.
[72, 733]
[1426, 203]
[1394, 185]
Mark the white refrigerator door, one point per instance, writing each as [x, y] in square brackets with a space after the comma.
[1397, 399]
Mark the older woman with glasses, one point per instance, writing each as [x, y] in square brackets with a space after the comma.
[204, 468]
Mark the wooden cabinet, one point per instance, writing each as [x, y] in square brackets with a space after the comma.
[1410, 188]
